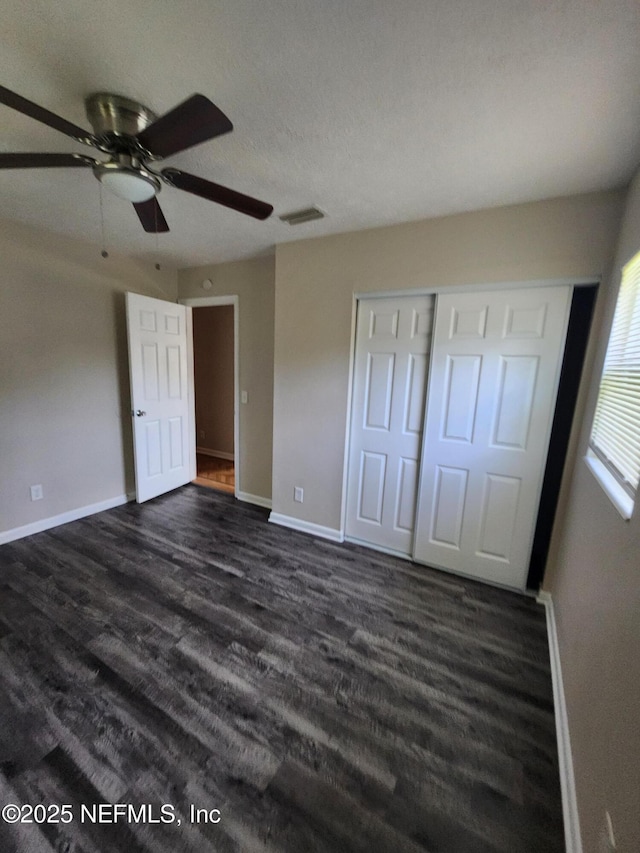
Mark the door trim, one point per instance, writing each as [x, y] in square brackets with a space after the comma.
[583, 281]
[213, 302]
[347, 435]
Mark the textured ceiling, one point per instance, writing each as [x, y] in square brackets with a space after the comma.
[376, 111]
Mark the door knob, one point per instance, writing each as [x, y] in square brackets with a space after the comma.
[140, 413]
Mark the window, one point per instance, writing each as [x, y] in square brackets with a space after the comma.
[614, 448]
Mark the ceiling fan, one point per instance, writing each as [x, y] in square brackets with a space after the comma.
[133, 137]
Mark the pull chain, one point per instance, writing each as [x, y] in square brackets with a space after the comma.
[104, 252]
[155, 214]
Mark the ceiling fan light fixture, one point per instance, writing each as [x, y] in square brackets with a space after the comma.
[132, 183]
[129, 185]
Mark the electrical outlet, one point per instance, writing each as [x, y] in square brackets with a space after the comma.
[36, 493]
[607, 841]
[244, 397]
[298, 494]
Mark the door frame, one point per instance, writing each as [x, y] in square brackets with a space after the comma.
[214, 302]
[574, 282]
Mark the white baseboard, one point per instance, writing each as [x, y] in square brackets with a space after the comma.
[219, 454]
[254, 499]
[572, 836]
[307, 527]
[63, 518]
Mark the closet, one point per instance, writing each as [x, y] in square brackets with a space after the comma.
[453, 398]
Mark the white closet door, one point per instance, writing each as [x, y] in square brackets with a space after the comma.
[494, 374]
[393, 339]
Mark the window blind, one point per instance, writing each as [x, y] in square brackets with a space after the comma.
[615, 435]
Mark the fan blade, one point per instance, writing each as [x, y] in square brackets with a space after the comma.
[188, 124]
[42, 161]
[220, 195]
[28, 108]
[151, 216]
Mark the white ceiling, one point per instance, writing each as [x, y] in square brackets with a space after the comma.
[376, 111]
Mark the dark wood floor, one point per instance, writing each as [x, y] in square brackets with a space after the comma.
[323, 697]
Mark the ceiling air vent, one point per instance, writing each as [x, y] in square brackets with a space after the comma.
[300, 216]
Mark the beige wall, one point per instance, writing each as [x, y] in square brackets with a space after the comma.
[595, 583]
[213, 375]
[315, 285]
[64, 387]
[253, 283]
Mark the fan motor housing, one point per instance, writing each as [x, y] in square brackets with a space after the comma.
[115, 115]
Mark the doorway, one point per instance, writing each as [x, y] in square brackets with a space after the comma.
[215, 392]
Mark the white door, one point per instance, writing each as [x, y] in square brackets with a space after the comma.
[161, 402]
[494, 373]
[393, 338]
